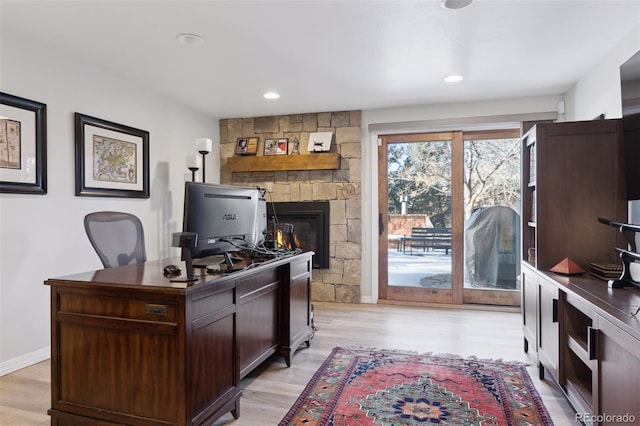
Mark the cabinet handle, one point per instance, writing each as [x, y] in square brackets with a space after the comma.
[155, 309]
[592, 334]
[554, 307]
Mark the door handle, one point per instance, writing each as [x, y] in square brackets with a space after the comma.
[592, 339]
[380, 224]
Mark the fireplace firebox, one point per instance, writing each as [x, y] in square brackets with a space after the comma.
[310, 220]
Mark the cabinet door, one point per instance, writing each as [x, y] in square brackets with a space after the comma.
[258, 313]
[548, 330]
[618, 356]
[529, 306]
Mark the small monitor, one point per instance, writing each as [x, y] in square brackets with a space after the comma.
[226, 218]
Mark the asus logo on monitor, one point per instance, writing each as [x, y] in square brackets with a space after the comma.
[230, 216]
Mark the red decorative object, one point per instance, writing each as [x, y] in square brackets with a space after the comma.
[358, 387]
[567, 267]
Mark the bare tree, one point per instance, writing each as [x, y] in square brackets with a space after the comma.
[422, 171]
[491, 173]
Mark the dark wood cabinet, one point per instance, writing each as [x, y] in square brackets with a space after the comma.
[529, 308]
[572, 173]
[599, 350]
[549, 332]
[581, 332]
[130, 347]
[618, 364]
[578, 373]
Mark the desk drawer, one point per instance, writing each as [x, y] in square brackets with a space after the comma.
[104, 305]
[248, 287]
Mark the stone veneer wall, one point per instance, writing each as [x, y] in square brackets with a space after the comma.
[342, 187]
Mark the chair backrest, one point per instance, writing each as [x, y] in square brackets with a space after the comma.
[117, 237]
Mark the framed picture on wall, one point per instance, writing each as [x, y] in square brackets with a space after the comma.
[276, 146]
[112, 160]
[23, 145]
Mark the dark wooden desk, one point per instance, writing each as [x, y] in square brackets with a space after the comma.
[130, 347]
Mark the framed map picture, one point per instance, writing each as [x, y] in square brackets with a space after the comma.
[23, 145]
[112, 160]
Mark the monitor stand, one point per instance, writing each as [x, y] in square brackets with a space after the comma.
[227, 260]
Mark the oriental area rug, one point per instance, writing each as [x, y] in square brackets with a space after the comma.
[357, 387]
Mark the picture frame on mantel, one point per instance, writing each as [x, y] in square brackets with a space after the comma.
[112, 160]
[247, 146]
[320, 141]
[23, 145]
[278, 146]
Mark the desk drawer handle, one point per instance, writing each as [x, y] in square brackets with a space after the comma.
[154, 309]
[555, 310]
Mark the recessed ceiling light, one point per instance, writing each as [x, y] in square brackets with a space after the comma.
[454, 78]
[190, 39]
[271, 95]
[456, 4]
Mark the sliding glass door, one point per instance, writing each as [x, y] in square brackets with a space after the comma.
[449, 217]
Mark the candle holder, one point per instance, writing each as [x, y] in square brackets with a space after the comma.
[204, 153]
[193, 173]
[204, 146]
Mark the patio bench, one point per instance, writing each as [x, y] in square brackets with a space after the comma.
[428, 238]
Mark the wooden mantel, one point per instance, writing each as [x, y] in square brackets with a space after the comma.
[313, 161]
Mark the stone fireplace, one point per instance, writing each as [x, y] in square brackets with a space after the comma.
[310, 222]
[340, 187]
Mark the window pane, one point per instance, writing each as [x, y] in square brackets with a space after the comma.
[419, 196]
[492, 214]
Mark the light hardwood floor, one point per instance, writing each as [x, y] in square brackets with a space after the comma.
[272, 388]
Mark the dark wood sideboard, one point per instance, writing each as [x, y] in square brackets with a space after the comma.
[130, 347]
[588, 341]
[584, 335]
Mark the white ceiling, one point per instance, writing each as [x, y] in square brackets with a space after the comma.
[330, 55]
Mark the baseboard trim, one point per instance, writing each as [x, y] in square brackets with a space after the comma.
[24, 361]
[466, 306]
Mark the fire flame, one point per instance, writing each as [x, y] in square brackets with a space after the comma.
[284, 242]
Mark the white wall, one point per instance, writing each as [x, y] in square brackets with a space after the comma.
[598, 91]
[42, 236]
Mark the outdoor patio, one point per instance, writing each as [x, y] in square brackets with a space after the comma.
[428, 269]
[431, 269]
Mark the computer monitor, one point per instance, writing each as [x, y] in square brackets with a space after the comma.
[226, 218]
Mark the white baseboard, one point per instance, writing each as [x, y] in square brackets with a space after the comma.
[23, 361]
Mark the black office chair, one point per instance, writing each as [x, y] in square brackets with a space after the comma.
[117, 237]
